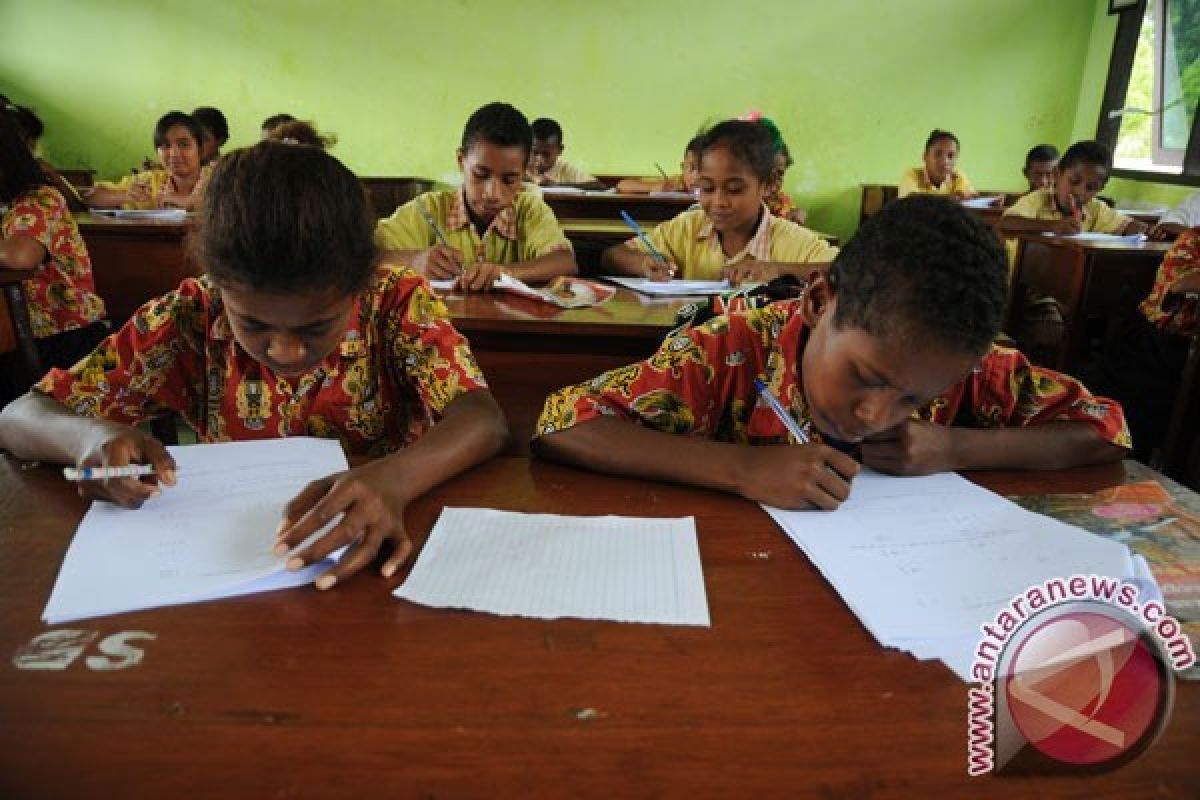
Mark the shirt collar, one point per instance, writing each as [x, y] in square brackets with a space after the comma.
[759, 246]
[457, 218]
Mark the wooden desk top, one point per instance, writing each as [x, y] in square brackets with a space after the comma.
[627, 314]
[353, 693]
[104, 224]
[1097, 245]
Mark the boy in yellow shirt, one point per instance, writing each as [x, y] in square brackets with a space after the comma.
[546, 165]
[733, 234]
[940, 173]
[1070, 206]
[438, 233]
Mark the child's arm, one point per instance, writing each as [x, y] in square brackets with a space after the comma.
[104, 197]
[372, 497]
[799, 476]
[38, 428]
[624, 260]
[1011, 224]
[749, 270]
[537, 270]
[439, 262]
[21, 252]
[917, 447]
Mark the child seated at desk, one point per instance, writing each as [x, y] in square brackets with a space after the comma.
[546, 164]
[1041, 167]
[685, 181]
[882, 355]
[178, 184]
[733, 234]
[438, 233]
[296, 329]
[1071, 205]
[1143, 365]
[214, 130]
[39, 237]
[940, 173]
[779, 202]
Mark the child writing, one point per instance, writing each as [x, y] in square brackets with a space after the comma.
[296, 329]
[885, 352]
[38, 237]
[1041, 167]
[940, 173]
[438, 233]
[178, 184]
[546, 164]
[1178, 219]
[685, 181]
[733, 234]
[1071, 205]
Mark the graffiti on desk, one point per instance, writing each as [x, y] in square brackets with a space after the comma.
[59, 649]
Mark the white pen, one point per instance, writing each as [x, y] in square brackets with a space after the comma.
[793, 428]
[100, 473]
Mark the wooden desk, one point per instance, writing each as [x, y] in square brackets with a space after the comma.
[528, 349]
[134, 260]
[1092, 280]
[601, 205]
[348, 693]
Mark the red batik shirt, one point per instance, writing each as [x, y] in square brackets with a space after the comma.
[61, 295]
[701, 382]
[399, 364]
[1174, 313]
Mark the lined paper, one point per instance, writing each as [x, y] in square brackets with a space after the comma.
[628, 569]
[679, 288]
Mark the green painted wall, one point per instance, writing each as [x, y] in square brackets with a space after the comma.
[1087, 114]
[856, 85]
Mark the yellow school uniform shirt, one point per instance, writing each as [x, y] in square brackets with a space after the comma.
[524, 231]
[157, 181]
[691, 243]
[916, 181]
[562, 172]
[1040, 204]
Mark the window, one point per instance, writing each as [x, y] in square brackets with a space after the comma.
[1149, 114]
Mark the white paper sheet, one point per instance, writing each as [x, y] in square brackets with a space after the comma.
[629, 569]
[446, 285]
[165, 214]
[1093, 236]
[923, 562]
[210, 536]
[669, 288]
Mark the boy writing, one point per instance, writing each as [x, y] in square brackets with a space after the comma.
[891, 352]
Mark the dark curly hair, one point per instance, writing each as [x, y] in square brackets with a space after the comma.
[752, 143]
[937, 134]
[499, 124]
[213, 121]
[1087, 152]
[923, 269]
[1041, 152]
[170, 120]
[281, 218]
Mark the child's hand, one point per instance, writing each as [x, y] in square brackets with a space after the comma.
[797, 476]
[798, 216]
[1135, 226]
[480, 277]
[914, 447]
[370, 517]
[439, 262]
[752, 271]
[138, 192]
[1165, 232]
[653, 269]
[124, 446]
[1067, 226]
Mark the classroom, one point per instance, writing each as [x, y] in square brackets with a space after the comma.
[626, 399]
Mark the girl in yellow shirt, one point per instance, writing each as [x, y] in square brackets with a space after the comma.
[733, 234]
[940, 173]
[180, 182]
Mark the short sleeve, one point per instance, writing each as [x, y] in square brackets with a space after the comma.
[798, 245]
[538, 230]
[37, 215]
[907, 184]
[406, 229]
[1107, 220]
[152, 366]
[1026, 206]
[425, 350]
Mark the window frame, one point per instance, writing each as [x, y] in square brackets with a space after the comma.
[1120, 66]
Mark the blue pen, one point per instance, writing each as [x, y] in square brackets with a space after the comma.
[800, 436]
[637, 229]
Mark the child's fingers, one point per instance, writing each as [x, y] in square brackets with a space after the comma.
[402, 549]
[300, 510]
[351, 528]
[153, 452]
[127, 492]
[357, 556]
[841, 463]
